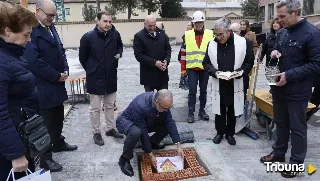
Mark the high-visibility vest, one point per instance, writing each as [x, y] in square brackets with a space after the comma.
[195, 55]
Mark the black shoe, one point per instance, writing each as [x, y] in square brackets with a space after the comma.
[97, 138]
[231, 140]
[65, 147]
[51, 165]
[157, 146]
[272, 158]
[114, 133]
[286, 174]
[203, 115]
[190, 118]
[217, 139]
[126, 167]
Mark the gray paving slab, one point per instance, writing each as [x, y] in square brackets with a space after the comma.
[241, 162]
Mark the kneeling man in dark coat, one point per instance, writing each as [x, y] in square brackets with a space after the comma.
[148, 112]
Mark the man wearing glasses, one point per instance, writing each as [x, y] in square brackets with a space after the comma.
[47, 61]
[227, 52]
[148, 112]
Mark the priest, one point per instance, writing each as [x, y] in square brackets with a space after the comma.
[227, 52]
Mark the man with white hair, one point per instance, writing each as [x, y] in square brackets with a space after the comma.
[297, 50]
[148, 112]
[235, 28]
[48, 62]
[227, 52]
[152, 49]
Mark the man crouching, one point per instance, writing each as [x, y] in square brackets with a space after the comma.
[148, 112]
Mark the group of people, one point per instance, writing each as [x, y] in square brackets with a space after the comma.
[33, 72]
[34, 69]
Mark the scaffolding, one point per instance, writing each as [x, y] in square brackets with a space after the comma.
[60, 16]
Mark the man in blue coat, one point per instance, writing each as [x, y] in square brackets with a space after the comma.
[148, 112]
[298, 51]
[99, 53]
[47, 61]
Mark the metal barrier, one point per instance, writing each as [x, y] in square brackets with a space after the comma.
[78, 91]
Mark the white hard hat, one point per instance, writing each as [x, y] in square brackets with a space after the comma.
[198, 16]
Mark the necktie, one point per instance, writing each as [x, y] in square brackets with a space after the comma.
[48, 29]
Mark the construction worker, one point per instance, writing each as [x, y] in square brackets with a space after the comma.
[192, 54]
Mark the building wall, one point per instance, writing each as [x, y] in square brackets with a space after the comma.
[71, 33]
[76, 12]
[267, 4]
[215, 12]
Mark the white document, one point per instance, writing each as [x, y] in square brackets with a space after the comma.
[229, 75]
[169, 164]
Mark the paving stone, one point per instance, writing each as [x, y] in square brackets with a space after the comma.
[100, 163]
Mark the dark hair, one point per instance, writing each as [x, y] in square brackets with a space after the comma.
[100, 13]
[192, 25]
[247, 23]
[275, 20]
[15, 17]
[162, 25]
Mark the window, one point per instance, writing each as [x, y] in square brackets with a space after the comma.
[270, 11]
[262, 13]
[67, 11]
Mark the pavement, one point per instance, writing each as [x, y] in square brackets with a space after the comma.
[224, 162]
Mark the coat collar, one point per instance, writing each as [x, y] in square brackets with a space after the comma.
[40, 31]
[297, 25]
[11, 49]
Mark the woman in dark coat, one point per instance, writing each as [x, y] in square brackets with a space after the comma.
[268, 45]
[17, 88]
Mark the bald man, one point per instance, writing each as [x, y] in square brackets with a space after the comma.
[152, 49]
[235, 27]
[48, 62]
[148, 112]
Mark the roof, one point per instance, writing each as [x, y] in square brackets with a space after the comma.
[166, 161]
[216, 5]
[68, 1]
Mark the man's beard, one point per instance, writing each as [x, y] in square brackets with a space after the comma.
[199, 27]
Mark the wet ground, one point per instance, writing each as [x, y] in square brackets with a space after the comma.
[241, 162]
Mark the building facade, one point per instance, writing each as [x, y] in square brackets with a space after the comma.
[213, 9]
[267, 11]
[74, 9]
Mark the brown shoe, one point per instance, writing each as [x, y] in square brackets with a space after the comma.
[272, 158]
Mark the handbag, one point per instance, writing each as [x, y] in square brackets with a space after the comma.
[34, 134]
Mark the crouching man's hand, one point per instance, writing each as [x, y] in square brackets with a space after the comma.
[180, 150]
[153, 160]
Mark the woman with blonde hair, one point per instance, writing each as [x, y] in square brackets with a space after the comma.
[17, 88]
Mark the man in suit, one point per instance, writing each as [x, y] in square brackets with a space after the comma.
[148, 112]
[47, 61]
[152, 49]
[99, 53]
